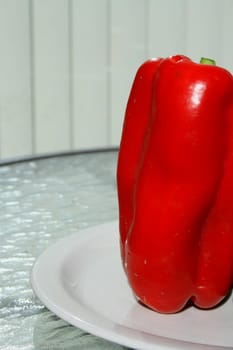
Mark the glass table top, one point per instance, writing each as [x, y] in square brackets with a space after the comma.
[42, 200]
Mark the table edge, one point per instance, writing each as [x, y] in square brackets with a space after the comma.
[35, 157]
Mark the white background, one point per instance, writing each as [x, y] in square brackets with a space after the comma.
[66, 66]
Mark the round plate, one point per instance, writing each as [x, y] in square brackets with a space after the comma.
[80, 279]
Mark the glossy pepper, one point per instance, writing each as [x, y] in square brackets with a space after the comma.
[175, 184]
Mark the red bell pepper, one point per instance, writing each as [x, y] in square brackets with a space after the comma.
[175, 184]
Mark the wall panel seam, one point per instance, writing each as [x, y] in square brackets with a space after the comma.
[71, 71]
[185, 25]
[109, 73]
[147, 6]
[32, 73]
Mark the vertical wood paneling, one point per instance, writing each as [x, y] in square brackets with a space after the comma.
[128, 51]
[15, 90]
[226, 35]
[204, 29]
[67, 66]
[90, 73]
[51, 75]
[167, 27]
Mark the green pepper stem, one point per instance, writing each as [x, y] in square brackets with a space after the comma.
[205, 60]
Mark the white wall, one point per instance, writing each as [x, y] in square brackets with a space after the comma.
[66, 66]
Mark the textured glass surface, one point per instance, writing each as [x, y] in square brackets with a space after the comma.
[41, 201]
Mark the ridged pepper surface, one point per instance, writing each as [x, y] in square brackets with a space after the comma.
[175, 184]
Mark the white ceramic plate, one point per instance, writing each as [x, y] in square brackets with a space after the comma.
[81, 279]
